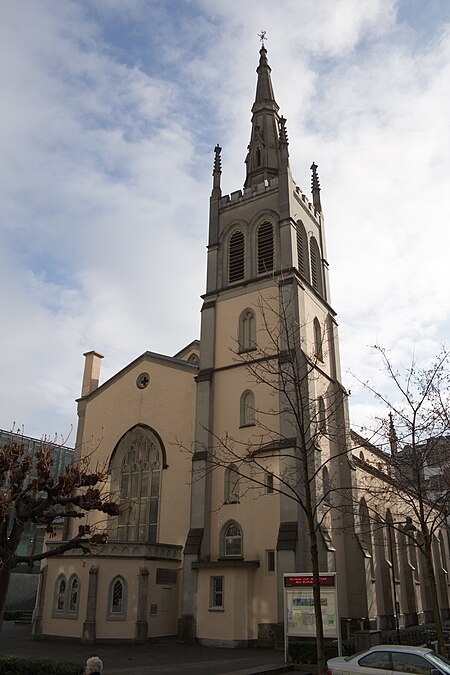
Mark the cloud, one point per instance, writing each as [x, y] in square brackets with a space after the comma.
[113, 111]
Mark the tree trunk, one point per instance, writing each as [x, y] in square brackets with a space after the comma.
[5, 574]
[428, 554]
[321, 664]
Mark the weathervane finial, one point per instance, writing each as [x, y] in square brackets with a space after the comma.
[262, 36]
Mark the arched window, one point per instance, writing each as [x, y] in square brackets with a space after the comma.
[74, 591]
[236, 257]
[232, 479]
[366, 537]
[136, 473]
[302, 251]
[60, 594]
[326, 485]
[265, 248]
[232, 544]
[318, 346]
[316, 266]
[247, 331]
[247, 409]
[269, 483]
[258, 156]
[117, 599]
[321, 414]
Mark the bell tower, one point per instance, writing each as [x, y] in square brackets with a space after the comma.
[266, 248]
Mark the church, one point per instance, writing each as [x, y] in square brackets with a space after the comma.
[203, 449]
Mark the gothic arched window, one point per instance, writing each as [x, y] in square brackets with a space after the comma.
[60, 594]
[117, 598]
[302, 251]
[232, 479]
[247, 409]
[265, 248]
[74, 591]
[316, 266]
[318, 340]
[321, 415]
[326, 485]
[232, 541]
[236, 257]
[136, 473]
[247, 331]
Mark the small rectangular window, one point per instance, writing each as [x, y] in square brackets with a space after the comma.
[269, 483]
[216, 601]
[270, 561]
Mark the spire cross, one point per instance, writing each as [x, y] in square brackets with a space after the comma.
[262, 36]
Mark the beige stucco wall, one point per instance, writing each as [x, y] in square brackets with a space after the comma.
[167, 405]
[163, 597]
[237, 621]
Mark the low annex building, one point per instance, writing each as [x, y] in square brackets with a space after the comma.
[202, 544]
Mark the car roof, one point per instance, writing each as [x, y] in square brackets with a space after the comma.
[401, 648]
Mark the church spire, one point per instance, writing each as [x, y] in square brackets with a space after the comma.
[315, 188]
[263, 158]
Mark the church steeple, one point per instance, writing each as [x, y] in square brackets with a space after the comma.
[263, 158]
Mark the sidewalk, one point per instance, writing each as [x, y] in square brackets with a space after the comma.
[163, 657]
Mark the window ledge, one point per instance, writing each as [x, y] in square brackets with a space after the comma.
[249, 424]
[216, 609]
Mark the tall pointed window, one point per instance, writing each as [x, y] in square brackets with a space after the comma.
[321, 415]
[74, 588]
[265, 248]
[236, 257]
[247, 409]
[366, 537]
[60, 595]
[136, 471]
[302, 251]
[117, 599]
[232, 479]
[316, 266]
[247, 331]
[326, 485]
[318, 340]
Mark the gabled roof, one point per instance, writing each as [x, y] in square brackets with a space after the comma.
[162, 359]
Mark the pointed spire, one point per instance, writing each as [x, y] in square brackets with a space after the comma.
[315, 188]
[264, 89]
[217, 171]
[393, 440]
[263, 158]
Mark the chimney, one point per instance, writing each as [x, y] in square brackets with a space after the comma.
[91, 373]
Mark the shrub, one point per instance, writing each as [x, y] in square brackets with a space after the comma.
[12, 614]
[413, 635]
[13, 665]
[304, 651]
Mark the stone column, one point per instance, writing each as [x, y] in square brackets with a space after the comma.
[91, 609]
[141, 632]
[36, 631]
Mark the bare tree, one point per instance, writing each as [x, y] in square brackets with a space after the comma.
[31, 492]
[297, 438]
[415, 479]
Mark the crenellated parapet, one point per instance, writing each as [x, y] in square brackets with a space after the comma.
[267, 187]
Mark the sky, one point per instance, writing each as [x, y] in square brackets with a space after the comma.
[110, 112]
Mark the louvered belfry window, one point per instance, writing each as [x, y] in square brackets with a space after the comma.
[236, 259]
[302, 250]
[265, 248]
[316, 271]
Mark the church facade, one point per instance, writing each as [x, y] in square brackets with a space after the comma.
[204, 449]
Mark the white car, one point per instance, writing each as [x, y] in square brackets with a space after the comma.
[389, 660]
